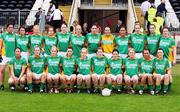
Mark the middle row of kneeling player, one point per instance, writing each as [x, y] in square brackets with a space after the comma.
[97, 71]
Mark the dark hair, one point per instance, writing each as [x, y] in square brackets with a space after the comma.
[163, 29]
[50, 27]
[17, 48]
[22, 27]
[9, 25]
[63, 24]
[160, 49]
[115, 50]
[146, 49]
[122, 27]
[93, 25]
[149, 29]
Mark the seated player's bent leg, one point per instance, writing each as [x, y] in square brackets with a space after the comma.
[109, 81]
[102, 81]
[127, 79]
[23, 79]
[11, 81]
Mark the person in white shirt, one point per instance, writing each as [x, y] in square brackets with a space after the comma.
[144, 8]
[57, 19]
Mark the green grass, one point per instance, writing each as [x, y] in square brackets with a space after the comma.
[24, 102]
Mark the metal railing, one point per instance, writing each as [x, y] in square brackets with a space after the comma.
[18, 18]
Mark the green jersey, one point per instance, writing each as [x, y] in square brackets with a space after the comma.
[48, 43]
[8, 44]
[68, 65]
[53, 64]
[77, 44]
[122, 44]
[146, 66]
[35, 41]
[166, 44]
[161, 66]
[17, 65]
[99, 64]
[115, 66]
[93, 41]
[84, 66]
[137, 41]
[131, 66]
[36, 64]
[22, 42]
[63, 41]
[153, 43]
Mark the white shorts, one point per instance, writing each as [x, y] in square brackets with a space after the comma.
[108, 55]
[83, 76]
[123, 56]
[138, 55]
[62, 54]
[126, 77]
[114, 77]
[5, 60]
[53, 76]
[37, 76]
[68, 77]
[144, 74]
[162, 76]
[24, 55]
[98, 76]
[91, 55]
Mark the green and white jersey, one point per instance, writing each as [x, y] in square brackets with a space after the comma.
[8, 44]
[99, 64]
[153, 43]
[36, 64]
[17, 65]
[137, 41]
[35, 41]
[53, 64]
[131, 66]
[161, 65]
[63, 41]
[166, 44]
[68, 65]
[48, 43]
[77, 44]
[84, 66]
[93, 41]
[122, 44]
[22, 42]
[146, 66]
[115, 66]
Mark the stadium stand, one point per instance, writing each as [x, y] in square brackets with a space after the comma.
[16, 4]
[176, 5]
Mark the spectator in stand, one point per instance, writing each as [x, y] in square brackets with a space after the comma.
[162, 8]
[144, 8]
[151, 14]
[85, 29]
[38, 16]
[50, 11]
[56, 18]
[118, 26]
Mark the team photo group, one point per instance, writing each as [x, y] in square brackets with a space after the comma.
[70, 62]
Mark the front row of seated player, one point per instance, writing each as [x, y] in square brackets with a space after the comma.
[95, 73]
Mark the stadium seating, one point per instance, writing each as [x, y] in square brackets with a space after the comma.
[16, 4]
[176, 6]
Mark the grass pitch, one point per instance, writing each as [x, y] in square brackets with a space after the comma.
[24, 102]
